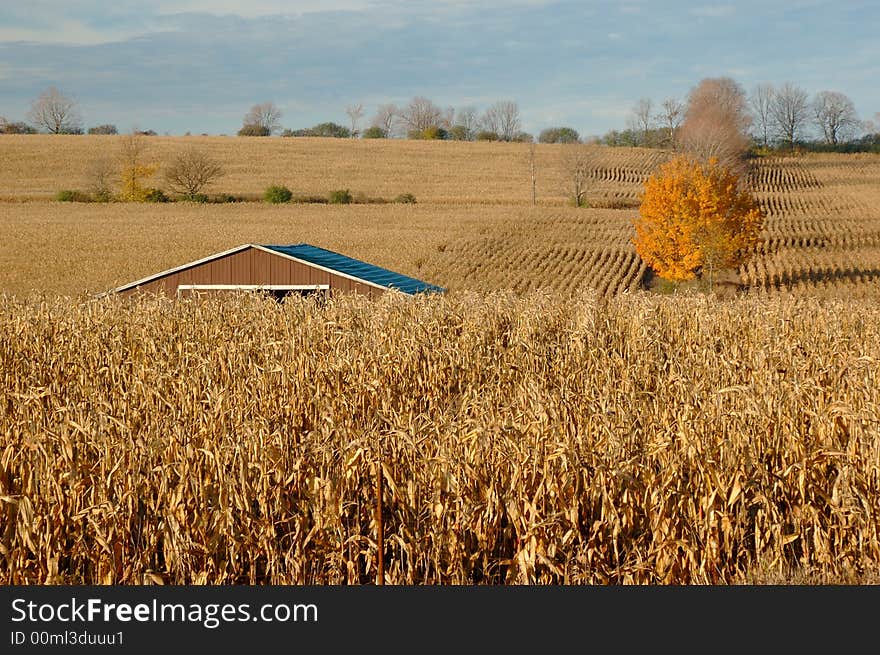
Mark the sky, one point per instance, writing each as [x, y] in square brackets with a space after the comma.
[177, 66]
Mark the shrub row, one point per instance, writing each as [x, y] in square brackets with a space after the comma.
[150, 195]
[277, 194]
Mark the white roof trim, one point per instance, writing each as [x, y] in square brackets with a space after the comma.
[253, 287]
[332, 271]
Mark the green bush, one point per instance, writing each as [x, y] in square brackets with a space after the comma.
[374, 132]
[103, 129]
[339, 197]
[487, 135]
[276, 194]
[460, 133]
[198, 197]
[405, 198]
[254, 130]
[221, 198]
[71, 195]
[155, 195]
[559, 135]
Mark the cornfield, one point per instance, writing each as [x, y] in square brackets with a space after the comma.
[537, 438]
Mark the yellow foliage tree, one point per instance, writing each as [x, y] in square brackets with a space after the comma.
[695, 220]
[134, 170]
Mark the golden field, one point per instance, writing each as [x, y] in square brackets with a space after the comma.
[472, 228]
[538, 438]
[545, 422]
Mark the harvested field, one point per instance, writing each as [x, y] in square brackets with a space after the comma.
[472, 228]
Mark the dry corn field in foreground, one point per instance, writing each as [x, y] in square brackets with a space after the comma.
[472, 229]
[533, 438]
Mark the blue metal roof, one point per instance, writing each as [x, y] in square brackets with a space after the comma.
[356, 268]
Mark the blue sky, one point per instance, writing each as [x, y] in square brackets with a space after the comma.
[198, 65]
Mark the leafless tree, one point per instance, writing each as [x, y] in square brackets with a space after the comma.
[670, 117]
[580, 165]
[3, 124]
[641, 115]
[100, 175]
[468, 118]
[265, 116]
[190, 171]
[790, 112]
[533, 173]
[385, 118]
[420, 114]
[355, 113]
[716, 124]
[835, 116]
[761, 104]
[502, 118]
[447, 118]
[55, 112]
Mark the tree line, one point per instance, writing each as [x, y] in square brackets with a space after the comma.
[775, 117]
[781, 116]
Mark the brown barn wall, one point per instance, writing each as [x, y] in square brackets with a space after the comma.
[254, 266]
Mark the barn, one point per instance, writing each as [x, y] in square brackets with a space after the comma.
[279, 270]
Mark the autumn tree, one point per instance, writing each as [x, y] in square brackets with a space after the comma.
[190, 171]
[695, 220]
[134, 170]
[716, 124]
[55, 113]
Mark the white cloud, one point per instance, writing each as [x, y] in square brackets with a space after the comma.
[71, 32]
[713, 11]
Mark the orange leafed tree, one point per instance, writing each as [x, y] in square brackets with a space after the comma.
[695, 219]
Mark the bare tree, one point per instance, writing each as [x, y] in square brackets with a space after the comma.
[835, 116]
[55, 112]
[385, 118]
[355, 113]
[790, 112]
[190, 171]
[265, 116]
[447, 119]
[420, 114]
[716, 124]
[641, 114]
[100, 174]
[469, 120]
[533, 173]
[502, 118]
[670, 117]
[580, 165]
[761, 104]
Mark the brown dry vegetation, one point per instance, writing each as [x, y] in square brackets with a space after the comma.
[472, 228]
[565, 435]
[530, 439]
